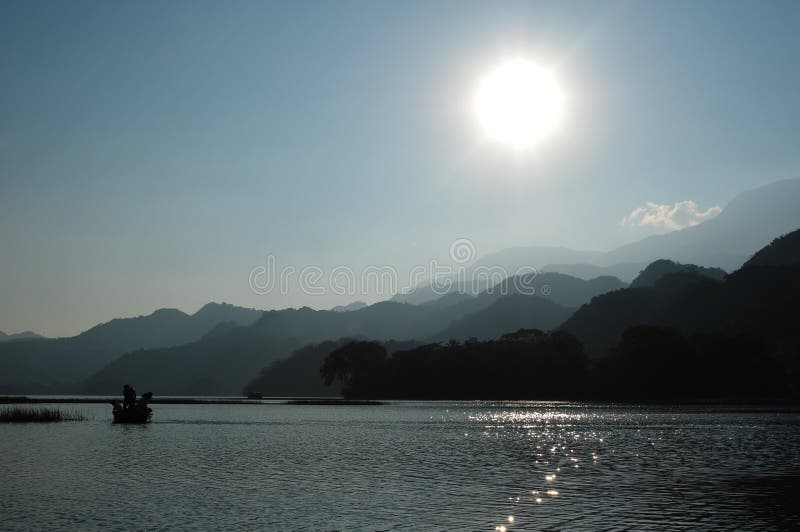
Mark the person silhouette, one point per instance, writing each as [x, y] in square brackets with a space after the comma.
[142, 403]
[129, 397]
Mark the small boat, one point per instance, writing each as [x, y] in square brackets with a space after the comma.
[131, 415]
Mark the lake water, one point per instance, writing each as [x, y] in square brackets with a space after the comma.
[412, 466]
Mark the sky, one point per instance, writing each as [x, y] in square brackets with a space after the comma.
[153, 154]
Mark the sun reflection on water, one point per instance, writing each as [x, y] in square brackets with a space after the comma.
[556, 439]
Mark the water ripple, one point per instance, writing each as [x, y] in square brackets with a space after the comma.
[406, 466]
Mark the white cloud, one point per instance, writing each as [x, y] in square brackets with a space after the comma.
[670, 217]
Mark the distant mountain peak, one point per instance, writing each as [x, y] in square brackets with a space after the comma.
[214, 308]
[355, 305]
[167, 312]
[24, 335]
[726, 241]
[657, 269]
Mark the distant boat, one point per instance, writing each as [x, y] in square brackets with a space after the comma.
[132, 415]
[255, 395]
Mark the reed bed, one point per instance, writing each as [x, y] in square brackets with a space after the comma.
[26, 414]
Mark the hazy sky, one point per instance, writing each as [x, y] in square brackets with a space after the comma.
[151, 154]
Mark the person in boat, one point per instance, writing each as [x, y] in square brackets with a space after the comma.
[117, 406]
[129, 397]
[141, 404]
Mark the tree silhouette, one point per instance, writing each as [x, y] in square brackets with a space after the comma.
[359, 366]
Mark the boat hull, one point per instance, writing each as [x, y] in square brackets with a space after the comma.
[133, 416]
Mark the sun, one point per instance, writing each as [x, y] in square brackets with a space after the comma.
[518, 103]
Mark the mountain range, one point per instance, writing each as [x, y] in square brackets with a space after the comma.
[39, 365]
[727, 241]
[696, 301]
[761, 298]
[276, 333]
[221, 347]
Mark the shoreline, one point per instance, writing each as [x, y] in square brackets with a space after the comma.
[18, 400]
[761, 405]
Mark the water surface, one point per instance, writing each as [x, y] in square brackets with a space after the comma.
[409, 466]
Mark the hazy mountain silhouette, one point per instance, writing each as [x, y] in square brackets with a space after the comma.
[217, 364]
[758, 299]
[39, 365]
[626, 272]
[24, 335]
[54, 365]
[727, 241]
[564, 290]
[507, 313]
[448, 300]
[164, 327]
[512, 259]
[355, 305]
[426, 293]
[783, 250]
[298, 375]
[442, 318]
[227, 358]
[680, 332]
[385, 320]
[381, 320]
[273, 336]
[455, 315]
[392, 320]
[45, 366]
[658, 269]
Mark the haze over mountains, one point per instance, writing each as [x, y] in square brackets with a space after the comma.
[220, 363]
[355, 305]
[759, 299]
[37, 365]
[234, 341]
[727, 241]
[24, 335]
[221, 347]
[679, 329]
[743, 227]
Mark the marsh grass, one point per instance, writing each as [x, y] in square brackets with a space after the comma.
[27, 414]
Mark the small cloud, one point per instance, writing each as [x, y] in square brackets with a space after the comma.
[670, 217]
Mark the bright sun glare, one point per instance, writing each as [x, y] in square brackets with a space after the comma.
[518, 103]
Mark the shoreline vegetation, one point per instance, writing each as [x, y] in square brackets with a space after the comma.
[765, 404]
[651, 365]
[333, 401]
[23, 414]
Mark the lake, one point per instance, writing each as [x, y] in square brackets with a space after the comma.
[406, 465]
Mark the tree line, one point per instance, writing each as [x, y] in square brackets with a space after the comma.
[649, 363]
